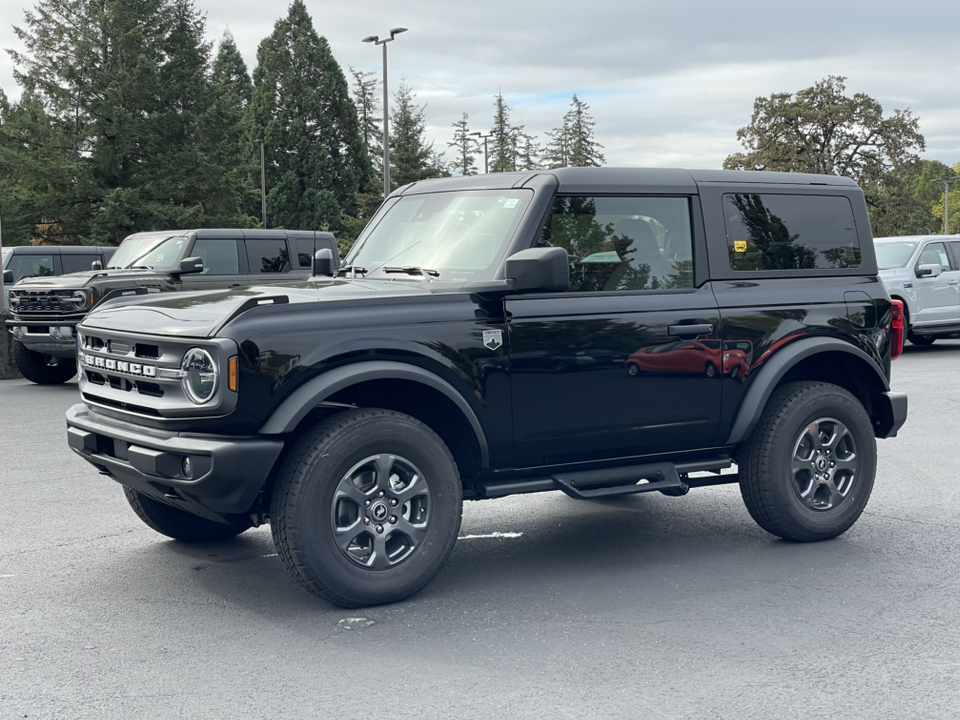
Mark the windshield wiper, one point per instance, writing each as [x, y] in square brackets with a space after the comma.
[412, 270]
[351, 268]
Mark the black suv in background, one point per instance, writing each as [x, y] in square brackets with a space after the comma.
[47, 309]
[25, 261]
[503, 334]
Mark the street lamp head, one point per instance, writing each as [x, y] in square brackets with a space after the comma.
[370, 38]
[397, 31]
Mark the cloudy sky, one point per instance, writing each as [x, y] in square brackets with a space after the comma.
[668, 82]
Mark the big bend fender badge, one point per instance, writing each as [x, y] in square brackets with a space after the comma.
[492, 339]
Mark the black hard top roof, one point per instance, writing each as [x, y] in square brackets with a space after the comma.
[621, 180]
[58, 249]
[234, 233]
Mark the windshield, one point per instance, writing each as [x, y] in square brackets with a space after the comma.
[456, 236]
[153, 251]
[892, 255]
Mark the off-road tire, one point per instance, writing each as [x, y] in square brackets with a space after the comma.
[769, 482]
[42, 369]
[177, 524]
[315, 490]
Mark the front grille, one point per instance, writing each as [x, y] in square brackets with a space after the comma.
[60, 303]
[124, 372]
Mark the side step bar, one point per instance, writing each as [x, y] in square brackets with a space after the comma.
[666, 477]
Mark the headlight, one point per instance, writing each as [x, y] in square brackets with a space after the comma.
[81, 299]
[199, 375]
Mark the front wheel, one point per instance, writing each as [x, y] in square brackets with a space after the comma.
[179, 525]
[921, 340]
[367, 507]
[42, 369]
[807, 470]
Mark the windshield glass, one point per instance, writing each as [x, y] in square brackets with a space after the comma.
[153, 251]
[457, 236]
[892, 255]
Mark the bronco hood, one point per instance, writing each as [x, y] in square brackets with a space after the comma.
[81, 279]
[202, 314]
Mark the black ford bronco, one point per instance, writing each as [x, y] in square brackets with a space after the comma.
[47, 309]
[596, 331]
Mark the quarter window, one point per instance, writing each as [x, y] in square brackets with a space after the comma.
[623, 243]
[790, 232]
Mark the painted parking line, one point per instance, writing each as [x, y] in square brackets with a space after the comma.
[491, 535]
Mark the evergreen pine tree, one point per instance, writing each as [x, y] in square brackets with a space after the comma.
[411, 156]
[465, 146]
[301, 107]
[505, 140]
[572, 144]
[370, 115]
[528, 152]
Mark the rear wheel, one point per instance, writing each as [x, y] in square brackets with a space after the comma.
[807, 471]
[42, 369]
[367, 507]
[177, 524]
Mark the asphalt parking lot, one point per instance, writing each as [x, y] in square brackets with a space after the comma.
[641, 607]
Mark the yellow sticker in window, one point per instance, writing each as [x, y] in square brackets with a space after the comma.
[739, 245]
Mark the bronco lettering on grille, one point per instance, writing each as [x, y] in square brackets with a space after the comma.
[119, 366]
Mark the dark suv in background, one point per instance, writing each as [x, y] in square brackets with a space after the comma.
[26, 261]
[47, 309]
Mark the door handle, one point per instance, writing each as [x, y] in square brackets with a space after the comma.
[954, 282]
[689, 330]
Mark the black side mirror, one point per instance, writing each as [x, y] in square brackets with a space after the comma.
[8, 276]
[190, 265]
[539, 270]
[323, 263]
[96, 265]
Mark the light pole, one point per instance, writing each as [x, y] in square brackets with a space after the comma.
[375, 39]
[484, 138]
[263, 186]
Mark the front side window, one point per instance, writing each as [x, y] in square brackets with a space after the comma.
[268, 256]
[26, 266]
[623, 243]
[160, 252]
[220, 257]
[935, 254]
[790, 232]
[449, 236]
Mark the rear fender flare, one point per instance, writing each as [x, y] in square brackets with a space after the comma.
[779, 365]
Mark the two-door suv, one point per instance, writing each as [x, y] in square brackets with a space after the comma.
[46, 310]
[482, 339]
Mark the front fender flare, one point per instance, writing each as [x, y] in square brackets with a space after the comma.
[292, 410]
[774, 370]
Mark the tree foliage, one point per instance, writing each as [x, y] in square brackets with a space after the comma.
[316, 162]
[464, 146]
[573, 144]
[370, 116]
[412, 157]
[821, 130]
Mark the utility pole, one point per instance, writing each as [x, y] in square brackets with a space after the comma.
[946, 207]
[263, 186]
[484, 138]
[375, 39]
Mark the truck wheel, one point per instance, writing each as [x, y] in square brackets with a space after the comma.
[807, 470]
[42, 369]
[367, 507]
[177, 524]
[921, 340]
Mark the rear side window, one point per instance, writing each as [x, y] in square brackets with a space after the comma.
[268, 256]
[790, 232]
[79, 262]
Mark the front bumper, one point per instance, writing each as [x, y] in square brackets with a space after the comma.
[224, 476]
[56, 338]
